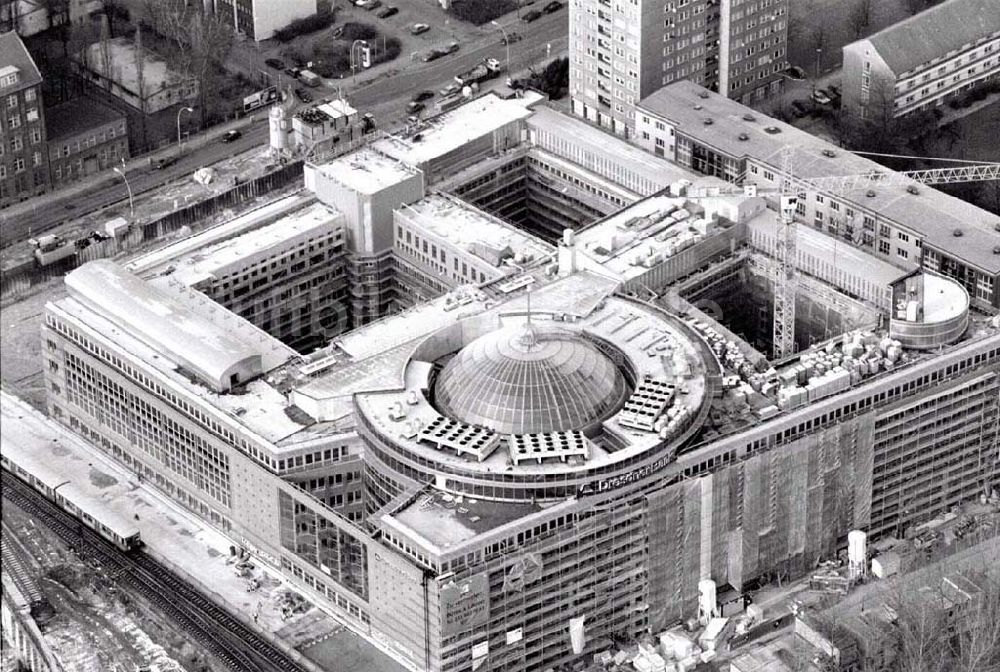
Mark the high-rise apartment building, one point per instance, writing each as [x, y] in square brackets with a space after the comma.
[24, 169]
[622, 51]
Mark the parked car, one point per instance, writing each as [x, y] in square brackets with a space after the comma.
[553, 6]
[511, 38]
[418, 28]
[372, 4]
[165, 162]
[293, 72]
[431, 55]
[533, 15]
[232, 135]
[303, 95]
[821, 97]
[795, 72]
[275, 63]
[386, 12]
[798, 109]
[413, 107]
[834, 91]
[448, 90]
[451, 48]
[422, 96]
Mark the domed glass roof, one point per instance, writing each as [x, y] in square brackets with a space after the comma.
[525, 380]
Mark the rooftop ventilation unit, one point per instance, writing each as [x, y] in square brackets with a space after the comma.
[744, 137]
[772, 129]
[708, 122]
[749, 117]
[912, 189]
[829, 153]
[703, 94]
[697, 107]
[958, 233]
[996, 249]
[870, 193]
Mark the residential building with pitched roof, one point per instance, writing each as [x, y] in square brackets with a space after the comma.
[24, 170]
[923, 61]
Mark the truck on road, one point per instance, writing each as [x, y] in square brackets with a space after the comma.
[489, 67]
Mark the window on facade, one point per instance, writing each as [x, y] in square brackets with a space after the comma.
[883, 247]
[11, 102]
[901, 253]
[14, 122]
[903, 237]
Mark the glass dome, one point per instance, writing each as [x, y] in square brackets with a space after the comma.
[526, 379]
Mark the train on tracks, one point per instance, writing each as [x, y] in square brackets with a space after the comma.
[69, 496]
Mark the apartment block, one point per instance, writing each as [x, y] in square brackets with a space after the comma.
[258, 19]
[908, 225]
[24, 168]
[920, 63]
[621, 52]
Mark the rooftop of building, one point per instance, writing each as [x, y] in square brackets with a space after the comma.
[121, 66]
[446, 520]
[367, 171]
[633, 240]
[467, 227]
[936, 32]
[14, 57]
[440, 135]
[738, 131]
[601, 144]
[243, 250]
[337, 108]
[78, 117]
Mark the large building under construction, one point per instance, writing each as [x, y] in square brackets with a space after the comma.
[542, 413]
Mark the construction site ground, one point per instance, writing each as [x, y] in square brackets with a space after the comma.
[185, 544]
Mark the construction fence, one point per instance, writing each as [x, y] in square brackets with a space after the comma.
[19, 281]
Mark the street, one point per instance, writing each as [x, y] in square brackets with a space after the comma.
[385, 96]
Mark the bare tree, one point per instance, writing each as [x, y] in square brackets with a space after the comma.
[860, 17]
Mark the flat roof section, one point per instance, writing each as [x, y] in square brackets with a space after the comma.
[162, 321]
[465, 226]
[448, 520]
[600, 143]
[366, 171]
[740, 131]
[944, 299]
[206, 264]
[447, 132]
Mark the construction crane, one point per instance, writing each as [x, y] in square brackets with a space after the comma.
[786, 282]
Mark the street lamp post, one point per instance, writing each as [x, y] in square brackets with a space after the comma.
[819, 54]
[183, 109]
[131, 207]
[506, 39]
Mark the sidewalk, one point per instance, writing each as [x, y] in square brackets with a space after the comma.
[133, 165]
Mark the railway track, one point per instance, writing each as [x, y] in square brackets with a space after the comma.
[229, 640]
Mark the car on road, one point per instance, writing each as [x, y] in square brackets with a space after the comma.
[422, 96]
[293, 72]
[492, 63]
[552, 7]
[303, 95]
[412, 119]
[418, 28]
[511, 38]
[275, 63]
[821, 97]
[431, 55]
[533, 15]
[798, 109]
[450, 89]
[337, 32]
[413, 107]
[451, 48]
[231, 136]
[386, 12]
[165, 162]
